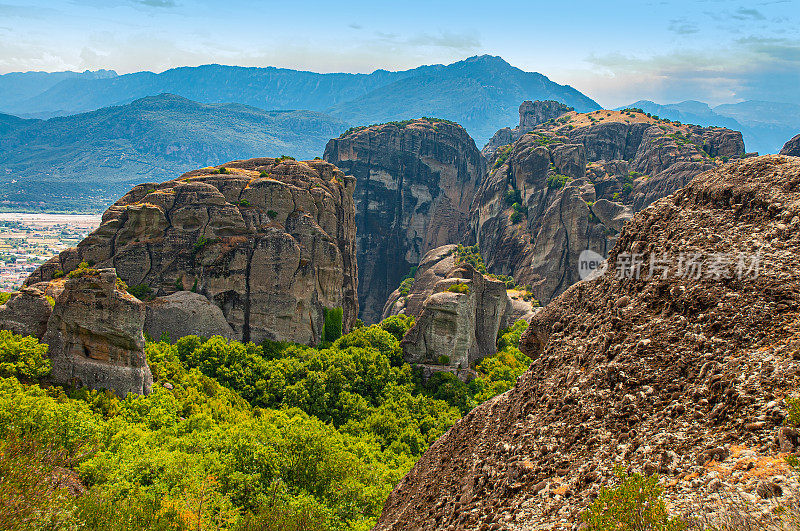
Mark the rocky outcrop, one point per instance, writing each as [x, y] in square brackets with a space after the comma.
[26, 313]
[684, 376]
[792, 147]
[185, 314]
[459, 322]
[271, 242]
[531, 114]
[415, 182]
[95, 335]
[571, 184]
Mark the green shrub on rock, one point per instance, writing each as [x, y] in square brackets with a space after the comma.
[22, 357]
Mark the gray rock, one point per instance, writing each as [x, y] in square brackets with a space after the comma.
[792, 147]
[185, 314]
[95, 336]
[26, 313]
[612, 215]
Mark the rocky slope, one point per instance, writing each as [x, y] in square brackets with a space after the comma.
[271, 242]
[685, 376]
[792, 147]
[571, 184]
[415, 181]
[531, 114]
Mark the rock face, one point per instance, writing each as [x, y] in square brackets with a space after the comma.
[271, 242]
[185, 314]
[415, 181]
[683, 376]
[95, 336]
[572, 183]
[459, 321]
[792, 147]
[531, 114]
[26, 313]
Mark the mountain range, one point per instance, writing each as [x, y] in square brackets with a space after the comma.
[765, 125]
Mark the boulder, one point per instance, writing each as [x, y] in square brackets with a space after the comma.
[792, 147]
[271, 242]
[185, 314]
[95, 335]
[26, 313]
[416, 180]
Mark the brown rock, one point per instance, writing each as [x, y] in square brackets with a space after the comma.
[26, 313]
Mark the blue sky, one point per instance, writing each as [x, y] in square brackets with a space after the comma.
[615, 52]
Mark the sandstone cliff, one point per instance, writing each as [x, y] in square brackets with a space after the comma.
[683, 375]
[531, 114]
[571, 184]
[26, 313]
[95, 335]
[792, 147]
[415, 182]
[271, 242]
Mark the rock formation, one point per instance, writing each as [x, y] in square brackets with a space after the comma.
[26, 313]
[531, 114]
[792, 147]
[682, 374]
[95, 335]
[571, 184]
[415, 182]
[271, 242]
[185, 314]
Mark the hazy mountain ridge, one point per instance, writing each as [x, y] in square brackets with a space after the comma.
[764, 125]
[150, 139]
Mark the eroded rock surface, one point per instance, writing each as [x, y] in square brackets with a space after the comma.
[792, 147]
[680, 376]
[185, 314]
[271, 242]
[26, 313]
[95, 336]
[415, 182]
[531, 114]
[572, 183]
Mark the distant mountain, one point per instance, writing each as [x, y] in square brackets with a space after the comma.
[87, 160]
[17, 87]
[766, 126]
[482, 93]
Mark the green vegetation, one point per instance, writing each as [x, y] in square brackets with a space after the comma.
[222, 170]
[407, 282]
[502, 154]
[244, 203]
[179, 283]
[83, 270]
[4, 296]
[332, 329]
[636, 504]
[542, 139]
[272, 214]
[22, 357]
[459, 287]
[283, 158]
[444, 360]
[520, 213]
[143, 292]
[557, 181]
[513, 196]
[470, 254]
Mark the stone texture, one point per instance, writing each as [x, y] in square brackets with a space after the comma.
[271, 243]
[415, 182]
[683, 377]
[26, 313]
[792, 147]
[461, 326]
[185, 314]
[580, 178]
[95, 336]
[531, 114]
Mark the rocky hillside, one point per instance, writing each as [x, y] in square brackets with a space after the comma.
[570, 185]
[271, 242]
[684, 374]
[531, 114]
[415, 182]
[792, 147]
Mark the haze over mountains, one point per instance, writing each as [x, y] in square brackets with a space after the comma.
[104, 132]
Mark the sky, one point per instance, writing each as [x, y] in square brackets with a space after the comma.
[615, 52]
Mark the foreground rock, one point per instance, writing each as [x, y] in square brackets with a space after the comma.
[185, 314]
[26, 313]
[680, 376]
[95, 336]
[415, 181]
[572, 183]
[792, 147]
[271, 242]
